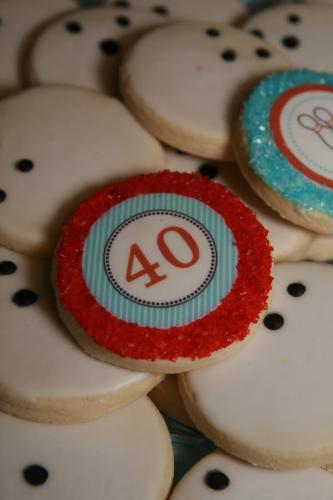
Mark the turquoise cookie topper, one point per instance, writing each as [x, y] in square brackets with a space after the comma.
[285, 120]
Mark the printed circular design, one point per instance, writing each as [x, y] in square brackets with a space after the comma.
[302, 125]
[288, 126]
[159, 260]
[174, 235]
[153, 303]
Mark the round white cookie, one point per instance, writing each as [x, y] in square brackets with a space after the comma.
[220, 476]
[83, 48]
[167, 398]
[20, 22]
[125, 455]
[228, 11]
[58, 145]
[272, 404]
[289, 242]
[302, 32]
[197, 78]
[43, 374]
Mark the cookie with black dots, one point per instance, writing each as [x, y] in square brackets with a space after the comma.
[43, 375]
[53, 158]
[125, 455]
[84, 47]
[198, 76]
[294, 29]
[20, 22]
[272, 404]
[289, 242]
[221, 476]
[228, 11]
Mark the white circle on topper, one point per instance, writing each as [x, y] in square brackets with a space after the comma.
[160, 258]
[306, 127]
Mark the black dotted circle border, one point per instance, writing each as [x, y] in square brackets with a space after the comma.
[172, 303]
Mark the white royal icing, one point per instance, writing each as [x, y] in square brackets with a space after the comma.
[294, 29]
[274, 398]
[78, 141]
[21, 21]
[196, 81]
[125, 455]
[227, 11]
[83, 47]
[39, 359]
[247, 482]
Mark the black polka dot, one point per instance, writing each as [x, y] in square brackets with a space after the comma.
[109, 47]
[229, 55]
[160, 10]
[217, 480]
[3, 195]
[36, 475]
[7, 267]
[296, 289]
[213, 32]
[24, 165]
[24, 298]
[257, 33]
[208, 170]
[294, 18]
[290, 42]
[121, 3]
[273, 321]
[263, 53]
[123, 21]
[73, 27]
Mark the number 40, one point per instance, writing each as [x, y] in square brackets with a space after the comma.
[149, 269]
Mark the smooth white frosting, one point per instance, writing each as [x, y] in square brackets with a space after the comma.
[188, 84]
[78, 140]
[248, 482]
[62, 57]
[313, 31]
[20, 22]
[276, 394]
[38, 357]
[125, 455]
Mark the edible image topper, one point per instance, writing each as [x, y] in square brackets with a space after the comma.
[302, 126]
[288, 126]
[158, 267]
[160, 260]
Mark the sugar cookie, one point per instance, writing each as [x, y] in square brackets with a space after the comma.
[289, 242]
[302, 32]
[197, 77]
[168, 400]
[284, 143]
[220, 476]
[125, 455]
[57, 145]
[321, 248]
[228, 11]
[46, 377]
[83, 48]
[272, 403]
[20, 22]
[151, 273]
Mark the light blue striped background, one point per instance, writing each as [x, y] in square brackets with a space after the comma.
[103, 291]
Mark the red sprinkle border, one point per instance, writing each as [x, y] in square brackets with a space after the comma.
[228, 323]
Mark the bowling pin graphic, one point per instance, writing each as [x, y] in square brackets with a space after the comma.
[322, 131]
[324, 116]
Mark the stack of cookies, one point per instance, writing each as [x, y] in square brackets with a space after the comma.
[165, 217]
